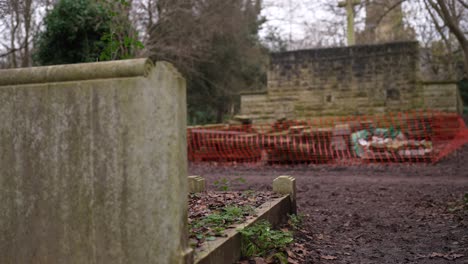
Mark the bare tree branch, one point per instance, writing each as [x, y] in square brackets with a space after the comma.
[438, 27]
[449, 21]
[465, 5]
[440, 6]
[9, 52]
[3, 8]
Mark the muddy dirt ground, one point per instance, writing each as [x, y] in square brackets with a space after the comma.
[371, 214]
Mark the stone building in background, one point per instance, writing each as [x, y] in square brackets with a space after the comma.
[356, 80]
[387, 71]
[384, 23]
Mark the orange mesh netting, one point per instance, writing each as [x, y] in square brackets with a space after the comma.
[403, 137]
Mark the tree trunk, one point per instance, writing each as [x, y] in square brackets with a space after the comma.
[465, 51]
[27, 15]
[220, 112]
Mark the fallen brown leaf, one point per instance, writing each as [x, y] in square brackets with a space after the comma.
[436, 255]
[455, 256]
[445, 256]
[270, 259]
[327, 257]
[292, 261]
[259, 261]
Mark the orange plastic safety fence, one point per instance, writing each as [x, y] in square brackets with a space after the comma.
[422, 136]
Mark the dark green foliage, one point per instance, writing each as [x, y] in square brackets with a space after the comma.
[262, 241]
[295, 221]
[85, 31]
[74, 29]
[463, 86]
[121, 41]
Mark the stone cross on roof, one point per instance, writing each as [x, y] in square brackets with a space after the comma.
[349, 5]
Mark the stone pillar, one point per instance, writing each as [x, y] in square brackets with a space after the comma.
[93, 164]
[286, 185]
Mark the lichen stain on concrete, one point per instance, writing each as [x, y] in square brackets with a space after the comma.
[93, 168]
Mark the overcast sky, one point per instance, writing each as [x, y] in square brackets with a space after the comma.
[297, 18]
[289, 15]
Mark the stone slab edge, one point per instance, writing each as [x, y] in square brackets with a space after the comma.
[227, 249]
[79, 72]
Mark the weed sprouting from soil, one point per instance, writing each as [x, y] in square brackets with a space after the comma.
[225, 184]
[459, 209]
[295, 221]
[214, 225]
[260, 240]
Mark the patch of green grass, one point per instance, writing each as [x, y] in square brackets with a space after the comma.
[228, 215]
[214, 225]
[295, 221]
[260, 240]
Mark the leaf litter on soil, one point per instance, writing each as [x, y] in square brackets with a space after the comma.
[203, 206]
[211, 213]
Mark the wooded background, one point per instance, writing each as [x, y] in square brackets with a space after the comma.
[222, 46]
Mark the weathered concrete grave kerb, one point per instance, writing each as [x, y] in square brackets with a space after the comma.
[93, 164]
[228, 249]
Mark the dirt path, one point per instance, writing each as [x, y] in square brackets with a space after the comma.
[377, 214]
